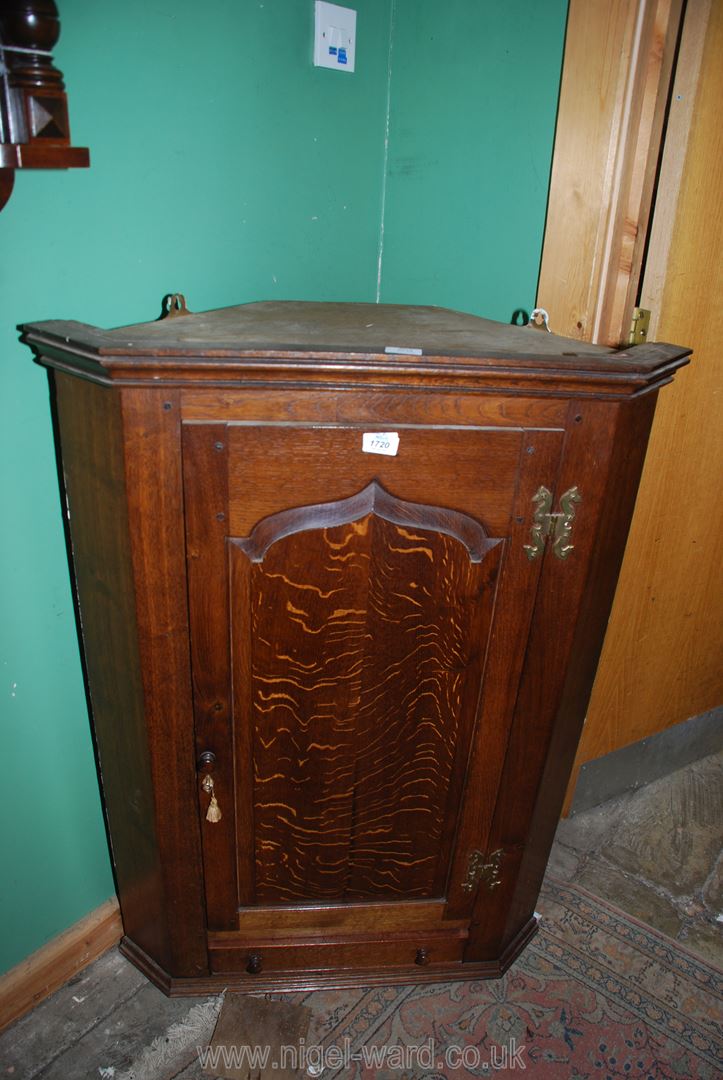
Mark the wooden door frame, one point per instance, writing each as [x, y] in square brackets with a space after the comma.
[617, 156]
[615, 82]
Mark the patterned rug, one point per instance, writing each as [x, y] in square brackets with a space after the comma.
[596, 994]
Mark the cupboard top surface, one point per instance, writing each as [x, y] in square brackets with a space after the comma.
[303, 326]
[388, 338]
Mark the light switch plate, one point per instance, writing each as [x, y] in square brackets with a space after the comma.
[334, 36]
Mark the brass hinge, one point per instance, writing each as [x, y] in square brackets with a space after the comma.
[546, 523]
[639, 327]
[486, 868]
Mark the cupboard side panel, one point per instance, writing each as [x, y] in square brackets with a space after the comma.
[579, 662]
[92, 460]
[603, 454]
[155, 513]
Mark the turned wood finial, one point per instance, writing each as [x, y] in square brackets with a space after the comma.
[34, 128]
[32, 26]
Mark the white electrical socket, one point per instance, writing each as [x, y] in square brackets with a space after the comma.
[334, 36]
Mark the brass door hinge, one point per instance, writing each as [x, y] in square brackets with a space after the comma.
[485, 868]
[557, 525]
[639, 326]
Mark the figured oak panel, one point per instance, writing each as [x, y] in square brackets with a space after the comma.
[366, 641]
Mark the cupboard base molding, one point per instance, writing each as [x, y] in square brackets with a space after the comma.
[339, 979]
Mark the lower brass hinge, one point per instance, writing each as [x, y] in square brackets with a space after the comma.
[558, 525]
[484, 868]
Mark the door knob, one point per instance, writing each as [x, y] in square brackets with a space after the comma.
[254, 965]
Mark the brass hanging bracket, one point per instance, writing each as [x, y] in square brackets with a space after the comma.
[483, 868]
[173, 305]
[557, 525]
[540, 320]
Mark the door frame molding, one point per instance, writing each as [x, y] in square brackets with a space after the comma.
[613, 100]
[607, 246]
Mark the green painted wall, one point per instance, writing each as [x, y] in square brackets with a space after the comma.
[215, 173]
[474, 91]
[225, 166]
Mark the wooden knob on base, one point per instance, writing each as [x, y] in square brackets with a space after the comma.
[254, 965]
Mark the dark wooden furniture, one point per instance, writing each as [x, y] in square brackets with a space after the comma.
[34, 127]
[337, 694]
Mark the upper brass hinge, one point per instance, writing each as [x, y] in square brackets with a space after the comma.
[639, 326]
[557, 525]
[484, 868]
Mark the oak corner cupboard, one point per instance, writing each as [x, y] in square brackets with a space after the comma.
[343, 572]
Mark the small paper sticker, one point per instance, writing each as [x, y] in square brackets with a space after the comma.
[398, 350]
[380, 442]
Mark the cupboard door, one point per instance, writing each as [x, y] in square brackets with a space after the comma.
[342, 607]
